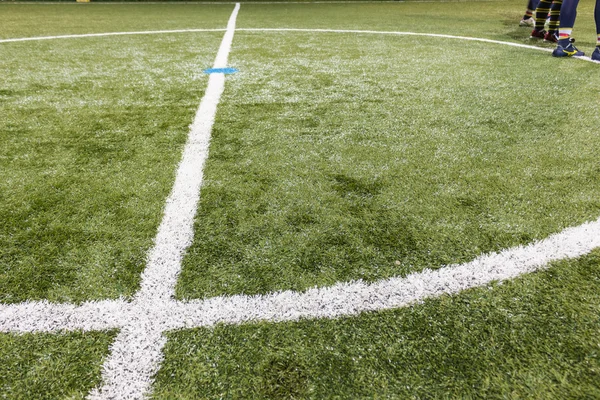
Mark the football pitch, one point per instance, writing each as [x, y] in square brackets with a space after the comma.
[296, 200]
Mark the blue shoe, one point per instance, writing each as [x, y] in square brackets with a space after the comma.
[596, 54]
[567, 51]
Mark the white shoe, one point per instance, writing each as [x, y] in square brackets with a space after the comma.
[527, 22]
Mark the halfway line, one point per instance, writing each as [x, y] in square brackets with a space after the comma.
[136, 353]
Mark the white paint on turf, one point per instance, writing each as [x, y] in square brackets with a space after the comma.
[355, 297]
[136, 353]
[343, 299]
[43, 316]
[90, 35]
[354, 31]
[176, 230]
[435, 35]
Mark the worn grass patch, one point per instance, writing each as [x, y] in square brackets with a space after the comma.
[535, 337]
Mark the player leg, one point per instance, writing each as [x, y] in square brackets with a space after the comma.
[565, 47]
[552, 34]
[541, 13]
[596, 53]
[528, 19]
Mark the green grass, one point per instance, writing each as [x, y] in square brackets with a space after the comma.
[88, 151]
[334, 157]
[58, 366]
[489, 19]
[470, 18]
[535, 337]
[343, 156]
[29, 20]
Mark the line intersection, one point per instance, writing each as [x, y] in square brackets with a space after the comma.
[136, 354]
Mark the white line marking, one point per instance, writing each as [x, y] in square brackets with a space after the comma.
[355, 297]
[436, 35]
[176, 230]
[358, 31]
[348, 298]
[43, 316]
[136, 353]
[89, 35]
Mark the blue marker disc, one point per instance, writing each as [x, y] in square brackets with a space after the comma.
[220, 71]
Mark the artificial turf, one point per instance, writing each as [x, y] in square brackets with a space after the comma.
[535, 337]
[51, 366]
[30, 20]
[342, 156]
[488, 19]
[334, 157]
[91, 133]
